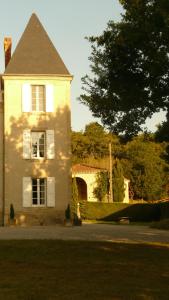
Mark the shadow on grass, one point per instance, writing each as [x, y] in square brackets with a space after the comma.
[82, 270]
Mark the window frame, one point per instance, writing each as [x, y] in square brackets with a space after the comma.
[38, 132]
[37, 98]
[39, 198]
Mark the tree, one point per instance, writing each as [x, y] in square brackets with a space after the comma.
[147, 169]
[74, 200]
[101, 190]
[130, 67]
[79, 146]
[118, 182]
[93, 143]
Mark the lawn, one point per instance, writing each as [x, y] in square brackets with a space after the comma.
[77, 270]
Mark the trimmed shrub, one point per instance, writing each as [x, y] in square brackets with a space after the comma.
[100, 210]
[67, 212]
[12, 212]
[164, 210]
[83, 209]
[114, 211]
[74, 199]
[101, 190]
[118, 182]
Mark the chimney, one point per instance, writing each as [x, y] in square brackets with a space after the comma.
[7, 49]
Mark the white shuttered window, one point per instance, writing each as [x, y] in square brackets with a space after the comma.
[37, 98]
[38, 192]
[38, 144]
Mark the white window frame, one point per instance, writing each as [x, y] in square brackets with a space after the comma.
[38, 133]
[28, 192]
[48, 94]
[38, 192]
[49, 144]
[38, 98]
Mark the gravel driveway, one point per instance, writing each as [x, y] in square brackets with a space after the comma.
[91, 232]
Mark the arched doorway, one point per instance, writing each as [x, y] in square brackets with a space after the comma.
[82, 188]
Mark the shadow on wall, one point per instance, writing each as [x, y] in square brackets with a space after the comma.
[17, 167]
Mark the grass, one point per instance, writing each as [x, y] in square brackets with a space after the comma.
[73, 270]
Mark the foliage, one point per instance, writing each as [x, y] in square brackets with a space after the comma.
[146, 212]
[67, 212]
[12, 212]
[146, 166]
[145, 161]
[74, 200]
[162, 133]
[129, 65]
[83, 209]
[102, 188]
[100, 210]
[93, 143]
[118, 182]
[164, 210]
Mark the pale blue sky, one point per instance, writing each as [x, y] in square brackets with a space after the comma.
[67, 23]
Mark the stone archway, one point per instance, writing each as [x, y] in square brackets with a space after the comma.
[82, 188]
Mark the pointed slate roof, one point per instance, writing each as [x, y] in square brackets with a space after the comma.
[35, 53]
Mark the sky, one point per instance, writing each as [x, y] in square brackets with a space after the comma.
[67, 23]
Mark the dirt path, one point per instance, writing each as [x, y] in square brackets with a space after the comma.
[92, 232]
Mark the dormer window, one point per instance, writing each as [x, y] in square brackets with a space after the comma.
[38, 98]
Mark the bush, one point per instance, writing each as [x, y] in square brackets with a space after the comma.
[164, 210]
[114, 211]
[74, 199]
[83, 209]
[100, 210]
[67, 212]
[12, 212]
[101, 190]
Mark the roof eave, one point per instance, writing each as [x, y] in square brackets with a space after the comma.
[68, 76]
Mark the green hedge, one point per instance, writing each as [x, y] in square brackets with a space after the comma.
[146, 212]
[164, 209]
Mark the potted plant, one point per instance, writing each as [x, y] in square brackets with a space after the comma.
[67, 220]
[12, 219]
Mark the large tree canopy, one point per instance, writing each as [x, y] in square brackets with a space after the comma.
[130, 67]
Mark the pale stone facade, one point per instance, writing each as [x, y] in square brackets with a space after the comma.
[86, 178]
[35, 156]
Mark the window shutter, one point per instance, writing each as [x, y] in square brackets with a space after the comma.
[49, 98]
[26, 97]
[27, 192]
[51, 191]
[27, 144]
[50, 144]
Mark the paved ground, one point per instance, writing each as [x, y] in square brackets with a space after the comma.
[92, 232]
